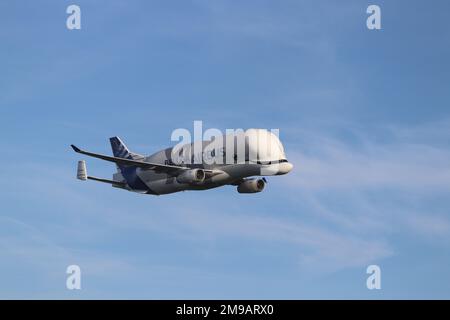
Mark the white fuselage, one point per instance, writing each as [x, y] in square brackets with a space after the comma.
[255, 160]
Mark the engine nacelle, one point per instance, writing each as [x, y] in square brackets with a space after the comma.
[193, 176]
[251, 186]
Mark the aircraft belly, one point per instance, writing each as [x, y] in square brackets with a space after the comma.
[161, 183]
[242, 170]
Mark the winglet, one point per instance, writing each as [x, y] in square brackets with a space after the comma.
[75, 148]
[81, 171]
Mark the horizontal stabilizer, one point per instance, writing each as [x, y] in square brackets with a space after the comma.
[115, 183]
[82, 175]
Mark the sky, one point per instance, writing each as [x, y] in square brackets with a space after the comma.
[364, 116]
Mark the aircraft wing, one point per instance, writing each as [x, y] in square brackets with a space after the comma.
[130, 162]
[171, 169]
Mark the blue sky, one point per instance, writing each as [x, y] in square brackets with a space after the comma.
[364, 116]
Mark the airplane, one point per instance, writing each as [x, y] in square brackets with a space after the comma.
[169, 170]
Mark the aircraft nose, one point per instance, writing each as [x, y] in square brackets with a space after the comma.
[285, 167]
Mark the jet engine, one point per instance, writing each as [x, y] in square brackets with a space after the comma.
[251, 186]
[192, 176]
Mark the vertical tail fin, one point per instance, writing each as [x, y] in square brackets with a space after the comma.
[129, 174]
[119, 149]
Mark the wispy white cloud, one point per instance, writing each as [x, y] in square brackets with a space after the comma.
[430, 225]
[319, 248]
[199, 224]
[328, 224]
[384, 180]
[402, 159]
